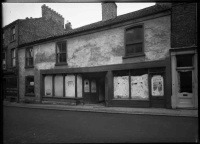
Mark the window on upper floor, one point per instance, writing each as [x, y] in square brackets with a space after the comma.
[61, 52]
[134, 36]
[4, 60]
[29, 57]
[29, 85]
[13, 57]
[13, 37]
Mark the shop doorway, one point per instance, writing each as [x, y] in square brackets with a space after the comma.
[94, 88]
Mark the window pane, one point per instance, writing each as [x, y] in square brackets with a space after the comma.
[184, 60]
[62, 57]
[48, 85]
[185, 81]
[132, 49]
[58, 83]
[30, 89]
[64, 47]
[134, 35]
[59, 47]
[13, 62]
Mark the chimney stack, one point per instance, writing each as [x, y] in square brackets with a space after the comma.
[48, 13]
[68, 26]
[109, 10]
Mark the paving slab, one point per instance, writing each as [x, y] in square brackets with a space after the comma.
[101, 108]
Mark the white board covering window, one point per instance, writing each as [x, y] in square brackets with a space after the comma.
[48, 85]
[139, 87]
[58, 85]
[70, 86]
[79, 86]
[121, 87]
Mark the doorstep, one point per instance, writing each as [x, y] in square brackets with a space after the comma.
[101, 108]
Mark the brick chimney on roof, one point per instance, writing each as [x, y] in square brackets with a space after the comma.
[48, 13]
[109, 10]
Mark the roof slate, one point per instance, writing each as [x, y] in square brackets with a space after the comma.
[122, 18]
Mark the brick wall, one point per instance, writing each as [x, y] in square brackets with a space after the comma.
[48, 13]
[183, 25]
[32, 29]
[109, 11]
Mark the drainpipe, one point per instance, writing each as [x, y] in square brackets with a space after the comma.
[17, 62]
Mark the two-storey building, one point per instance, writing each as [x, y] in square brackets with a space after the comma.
[120, 61]
[21, 31]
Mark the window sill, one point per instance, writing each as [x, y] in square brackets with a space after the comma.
[31, 95]
[135, 55]
[131, 99]
[28, 67]
[56, 97]
[60, 64]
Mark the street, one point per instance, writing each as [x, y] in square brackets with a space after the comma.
[28, 125]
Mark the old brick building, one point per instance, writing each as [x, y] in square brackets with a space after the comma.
[120, 61]
[23, 31]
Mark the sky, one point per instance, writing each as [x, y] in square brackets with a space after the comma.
[79, 14]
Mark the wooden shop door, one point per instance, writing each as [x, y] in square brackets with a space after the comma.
[90, 91]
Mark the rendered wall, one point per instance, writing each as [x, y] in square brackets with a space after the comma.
[100, 48]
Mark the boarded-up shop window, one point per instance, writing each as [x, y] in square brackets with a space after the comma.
[139, 84]
[48, 85]
[58, 84]
[121, 85]
[79, 86]
[70, 86]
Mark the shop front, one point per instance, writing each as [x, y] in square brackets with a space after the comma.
[129, 85]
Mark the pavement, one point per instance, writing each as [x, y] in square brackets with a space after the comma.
[103, 109]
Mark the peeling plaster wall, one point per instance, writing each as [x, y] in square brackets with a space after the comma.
[157, 38]
[102, 48]
[107, 47]
[44, 58]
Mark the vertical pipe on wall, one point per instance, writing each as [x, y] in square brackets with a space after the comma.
[76, 86]
[53, 86]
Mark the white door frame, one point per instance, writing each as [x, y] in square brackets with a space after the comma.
[175, 95]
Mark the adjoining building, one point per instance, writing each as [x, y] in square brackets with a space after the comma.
[23, 31]
[120, 61]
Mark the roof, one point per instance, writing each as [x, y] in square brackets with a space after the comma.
[122, 18]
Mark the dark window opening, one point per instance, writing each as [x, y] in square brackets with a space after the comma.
[134, 40]
[13, 34]
[184, 60]
[61, 54]
[185, 81]
[30, 85]
[29, 57]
